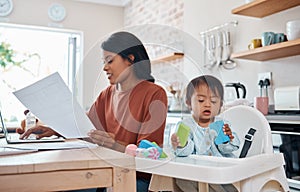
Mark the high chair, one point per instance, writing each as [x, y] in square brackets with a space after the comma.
[241, 118]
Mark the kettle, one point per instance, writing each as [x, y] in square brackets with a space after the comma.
[234, 91]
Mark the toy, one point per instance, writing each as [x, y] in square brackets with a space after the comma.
[146, 149]
[218, 127]
[147, 144]
[183, 134]
[151, 153]
[131, 149]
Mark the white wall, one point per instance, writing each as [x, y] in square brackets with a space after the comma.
[94, 20]
[98, 20]
[202, 15]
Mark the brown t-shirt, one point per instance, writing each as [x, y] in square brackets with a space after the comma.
[131, 115]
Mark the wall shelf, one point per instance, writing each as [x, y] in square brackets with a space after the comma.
[167, 58]
[263, 8]
[274, 51]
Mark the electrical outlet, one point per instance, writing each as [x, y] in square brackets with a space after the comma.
[265, 75]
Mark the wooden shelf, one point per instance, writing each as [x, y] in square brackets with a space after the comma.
[274, 51]
[167, 58]
[263, 8]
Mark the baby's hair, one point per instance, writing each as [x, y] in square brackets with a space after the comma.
[212, 83]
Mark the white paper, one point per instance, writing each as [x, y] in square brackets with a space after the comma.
[52, 102]
[13, 151]
[53, 145]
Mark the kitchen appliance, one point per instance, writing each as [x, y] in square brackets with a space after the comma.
[285, 130]
[287, 99]
[234, 91]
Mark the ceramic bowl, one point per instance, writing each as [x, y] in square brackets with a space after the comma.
[293, 29]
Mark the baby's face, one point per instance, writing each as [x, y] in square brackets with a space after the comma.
[205, 104]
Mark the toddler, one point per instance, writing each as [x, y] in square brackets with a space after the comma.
[204, 97]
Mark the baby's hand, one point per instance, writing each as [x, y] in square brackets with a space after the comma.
[227, 131]
[175, 141]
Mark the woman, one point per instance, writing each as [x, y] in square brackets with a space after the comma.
[132, 108]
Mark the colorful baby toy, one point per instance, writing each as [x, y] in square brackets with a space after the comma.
[146, 149]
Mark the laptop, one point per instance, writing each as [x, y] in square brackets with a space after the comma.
[14, 138]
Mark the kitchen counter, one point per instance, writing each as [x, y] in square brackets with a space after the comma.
[284, 118]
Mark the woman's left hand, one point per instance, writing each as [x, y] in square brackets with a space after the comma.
[227, 131]
[102, 138]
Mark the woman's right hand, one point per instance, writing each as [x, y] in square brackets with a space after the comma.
[40, 131]
[102, 138]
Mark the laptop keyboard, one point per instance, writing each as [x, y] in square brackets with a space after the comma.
[16, 136]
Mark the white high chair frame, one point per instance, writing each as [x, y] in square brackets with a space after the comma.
[260, 171]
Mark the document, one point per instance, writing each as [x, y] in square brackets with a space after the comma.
[13, 151]
[69, 144]
[51, 101]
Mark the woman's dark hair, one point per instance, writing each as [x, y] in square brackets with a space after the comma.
[212, 83]
[125, 44]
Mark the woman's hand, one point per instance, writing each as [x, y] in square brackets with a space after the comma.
[21, 129]
[227, 131]
[40, 131]
[175, 141]
[102, 138]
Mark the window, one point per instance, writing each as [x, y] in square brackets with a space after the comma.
[37, 52]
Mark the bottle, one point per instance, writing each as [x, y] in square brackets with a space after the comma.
[30, 120]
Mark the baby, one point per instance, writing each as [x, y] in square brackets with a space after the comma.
[204, 97]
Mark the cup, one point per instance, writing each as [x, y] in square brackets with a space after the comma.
[268, 38]
[279, 37]
[255, 43]
[293, 29]
[262, 104]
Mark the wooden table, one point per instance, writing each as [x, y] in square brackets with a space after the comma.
[58, 170]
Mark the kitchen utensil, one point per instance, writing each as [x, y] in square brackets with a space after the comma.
[204, 50]
[267, 83]
[237, 86]
[255, 43]
[228, 63]
[279, 37]
[211, 52]
[220, 47]
[293, 29]
[262, 104]
[267, 38]
[287, 99]
[261, 85]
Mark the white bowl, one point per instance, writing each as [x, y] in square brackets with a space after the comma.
[293, 23]
[293, 29]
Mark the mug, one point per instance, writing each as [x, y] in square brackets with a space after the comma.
[262, 104]
[255, 43]
[268, 38]
[279, 37]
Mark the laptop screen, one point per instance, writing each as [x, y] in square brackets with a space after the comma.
[3, 127]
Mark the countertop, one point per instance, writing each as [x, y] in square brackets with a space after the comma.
[284, 118]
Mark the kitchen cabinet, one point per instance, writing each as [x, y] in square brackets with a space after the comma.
[167, 58]
[263, 8]
[274, 51]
